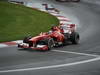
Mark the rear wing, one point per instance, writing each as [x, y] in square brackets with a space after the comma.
[68, 28]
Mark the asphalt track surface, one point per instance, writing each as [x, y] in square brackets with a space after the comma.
[82, 59]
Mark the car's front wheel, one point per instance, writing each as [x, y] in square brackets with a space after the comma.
[50, 43]
[26, 39]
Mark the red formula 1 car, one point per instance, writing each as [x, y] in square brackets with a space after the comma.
[47, 40]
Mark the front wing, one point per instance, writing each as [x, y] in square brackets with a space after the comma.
[38, 47]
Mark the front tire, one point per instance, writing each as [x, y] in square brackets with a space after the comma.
[26, 39]
[50, 43]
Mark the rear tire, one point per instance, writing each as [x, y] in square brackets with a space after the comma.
[75, 38]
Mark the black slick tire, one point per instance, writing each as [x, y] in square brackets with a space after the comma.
[26, 39]
[50, 43]
[75, 38]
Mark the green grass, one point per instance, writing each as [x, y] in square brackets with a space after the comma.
[17, 21]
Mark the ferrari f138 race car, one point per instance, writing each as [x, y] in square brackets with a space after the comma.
[57, 36]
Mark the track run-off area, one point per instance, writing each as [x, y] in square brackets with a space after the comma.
[81, 59]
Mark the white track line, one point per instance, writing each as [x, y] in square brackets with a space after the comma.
[52, 66]
[77, 53]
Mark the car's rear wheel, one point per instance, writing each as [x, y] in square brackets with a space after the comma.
[75, 38]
